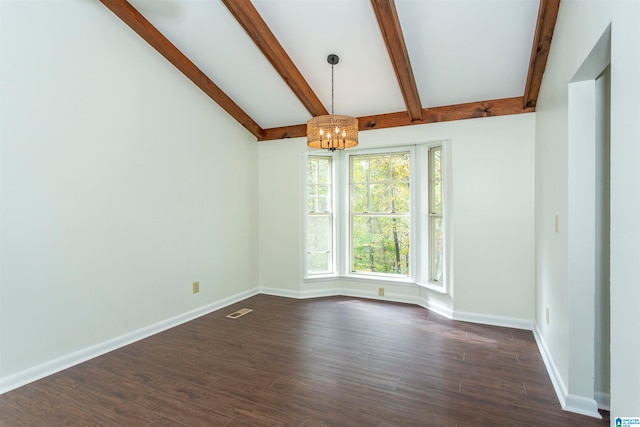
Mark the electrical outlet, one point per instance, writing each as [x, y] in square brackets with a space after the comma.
[196, 287]
[381, 292]
[547, 314]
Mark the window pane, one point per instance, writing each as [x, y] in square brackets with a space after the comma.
[435, 177]
[437, 250]
[359, 198]
[359, 169]
[400, 198]
[381, 244]
[400, 167]
[312, 169]
[312, 198]
[380, 198]
[324, 171]
[324, 198]
[380, 186]
[319, 263]
[320, 215]
[379, 168]
[436, 223]
[319, 229]
[319, 244]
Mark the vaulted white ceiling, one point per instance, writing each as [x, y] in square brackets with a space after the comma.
[460, 51]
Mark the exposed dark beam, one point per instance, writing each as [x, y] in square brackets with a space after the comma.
[471, 110]
[249, 18]
[138, 23]
[547, 15]
[389, 23]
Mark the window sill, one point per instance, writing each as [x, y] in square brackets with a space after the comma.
[442, 289]
[321, 278]
[377, 279]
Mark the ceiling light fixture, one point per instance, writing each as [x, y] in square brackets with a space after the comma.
[333, 132]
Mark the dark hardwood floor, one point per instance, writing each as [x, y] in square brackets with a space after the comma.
[318, 362]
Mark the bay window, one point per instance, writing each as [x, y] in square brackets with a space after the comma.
[378, 214]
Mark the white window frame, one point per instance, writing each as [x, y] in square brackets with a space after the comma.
[335, 216]
[345, 217]
[419, 212]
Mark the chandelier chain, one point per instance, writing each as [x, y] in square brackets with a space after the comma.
[331, 89]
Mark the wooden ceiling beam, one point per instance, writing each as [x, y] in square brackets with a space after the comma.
[547, 15]
[389, 23]
[138, 23]
[249, 18]
[471, 110]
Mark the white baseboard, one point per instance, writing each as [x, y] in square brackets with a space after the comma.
[436, 307]
[556, 380]
[35, 373]
[569, 402]
[604, 400]
[280, 292]
[388, 296]
[582, 405]
[507, 322]
[334, 292]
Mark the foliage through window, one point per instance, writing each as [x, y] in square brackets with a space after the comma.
[435, 227]
[319, 215]
[380, 213]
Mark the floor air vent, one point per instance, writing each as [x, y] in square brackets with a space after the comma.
[239, 313]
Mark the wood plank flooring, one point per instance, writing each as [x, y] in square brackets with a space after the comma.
[318, 362]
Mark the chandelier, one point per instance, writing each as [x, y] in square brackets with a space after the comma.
[333, 132]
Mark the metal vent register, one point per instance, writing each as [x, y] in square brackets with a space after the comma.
[239, 313]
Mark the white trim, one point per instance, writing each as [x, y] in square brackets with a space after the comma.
[556, 380]
[582, 405]
[582, 223]
[388, 279]
[436, 307]
[441, 289]
[320, 278]
[333, 292]
[486, 319]
[604, 400]
[334, 210]
[35, 373]
[568, 402]
[359, 293]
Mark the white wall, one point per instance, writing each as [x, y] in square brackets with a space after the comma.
[579, 27]
[492, 163]
[625, 209]
[121, 184]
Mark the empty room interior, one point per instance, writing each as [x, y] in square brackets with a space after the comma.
[322, 212]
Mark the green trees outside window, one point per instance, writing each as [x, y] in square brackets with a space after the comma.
[380, 213]
[436, 226]
[319, 215]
